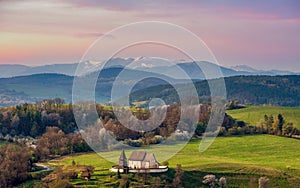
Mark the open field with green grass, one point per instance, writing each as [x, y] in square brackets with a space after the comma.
[253, 114]
[242, 160]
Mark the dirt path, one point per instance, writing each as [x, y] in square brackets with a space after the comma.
[45, 168]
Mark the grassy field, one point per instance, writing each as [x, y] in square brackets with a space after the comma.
[242, 160]
[254, 114]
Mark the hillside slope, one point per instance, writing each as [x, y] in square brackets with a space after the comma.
[239, 159]
[253, 114]
[254, 90]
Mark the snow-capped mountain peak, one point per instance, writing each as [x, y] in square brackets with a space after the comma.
[244, 68]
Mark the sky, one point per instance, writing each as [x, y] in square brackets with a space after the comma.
[260, 34]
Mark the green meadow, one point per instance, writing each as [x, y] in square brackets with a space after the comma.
[242, 160]
[253, 114]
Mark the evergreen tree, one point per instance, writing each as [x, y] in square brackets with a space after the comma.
[280, 123]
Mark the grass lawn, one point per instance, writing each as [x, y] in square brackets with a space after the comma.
[242, 160]
[253, 114]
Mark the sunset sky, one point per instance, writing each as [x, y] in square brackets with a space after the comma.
[264, 35]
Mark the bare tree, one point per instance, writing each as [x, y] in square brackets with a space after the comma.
[177, 182]
[14, 165]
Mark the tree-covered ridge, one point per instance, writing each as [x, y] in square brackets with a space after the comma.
[253, 90]
[274, 90]
[32, 119]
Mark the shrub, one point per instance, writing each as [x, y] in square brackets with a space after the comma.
[222, 131]
[240, 131]
[180, 136]
[71, 175]
[58, 183]
[156, 139]
[223, 182]
[210, 179]
[263, 182]
[233, 131]
[125, 182]
[134, 143]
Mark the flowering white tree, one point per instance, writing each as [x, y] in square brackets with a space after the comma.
[211, 180]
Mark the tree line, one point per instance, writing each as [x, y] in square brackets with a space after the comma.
[31, 121]
[251, 90]
[276, 125]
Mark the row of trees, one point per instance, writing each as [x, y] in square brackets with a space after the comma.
[277, 126]
[32, 119]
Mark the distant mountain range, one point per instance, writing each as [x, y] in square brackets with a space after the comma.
[246, 68]
[142, 63]
[273, 90]
[13, 70]
[37, 87]
[7, 70]
[29, 84]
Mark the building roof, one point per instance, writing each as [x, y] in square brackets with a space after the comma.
[149, 156]
[137, 156]
[123, 156]
[122, 159]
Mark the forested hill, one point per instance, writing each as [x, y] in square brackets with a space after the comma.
[278, 90]
[32, 88]
[255, 90]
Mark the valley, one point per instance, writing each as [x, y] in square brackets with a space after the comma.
[242, 160]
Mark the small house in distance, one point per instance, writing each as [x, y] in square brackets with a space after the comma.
[139, 161]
